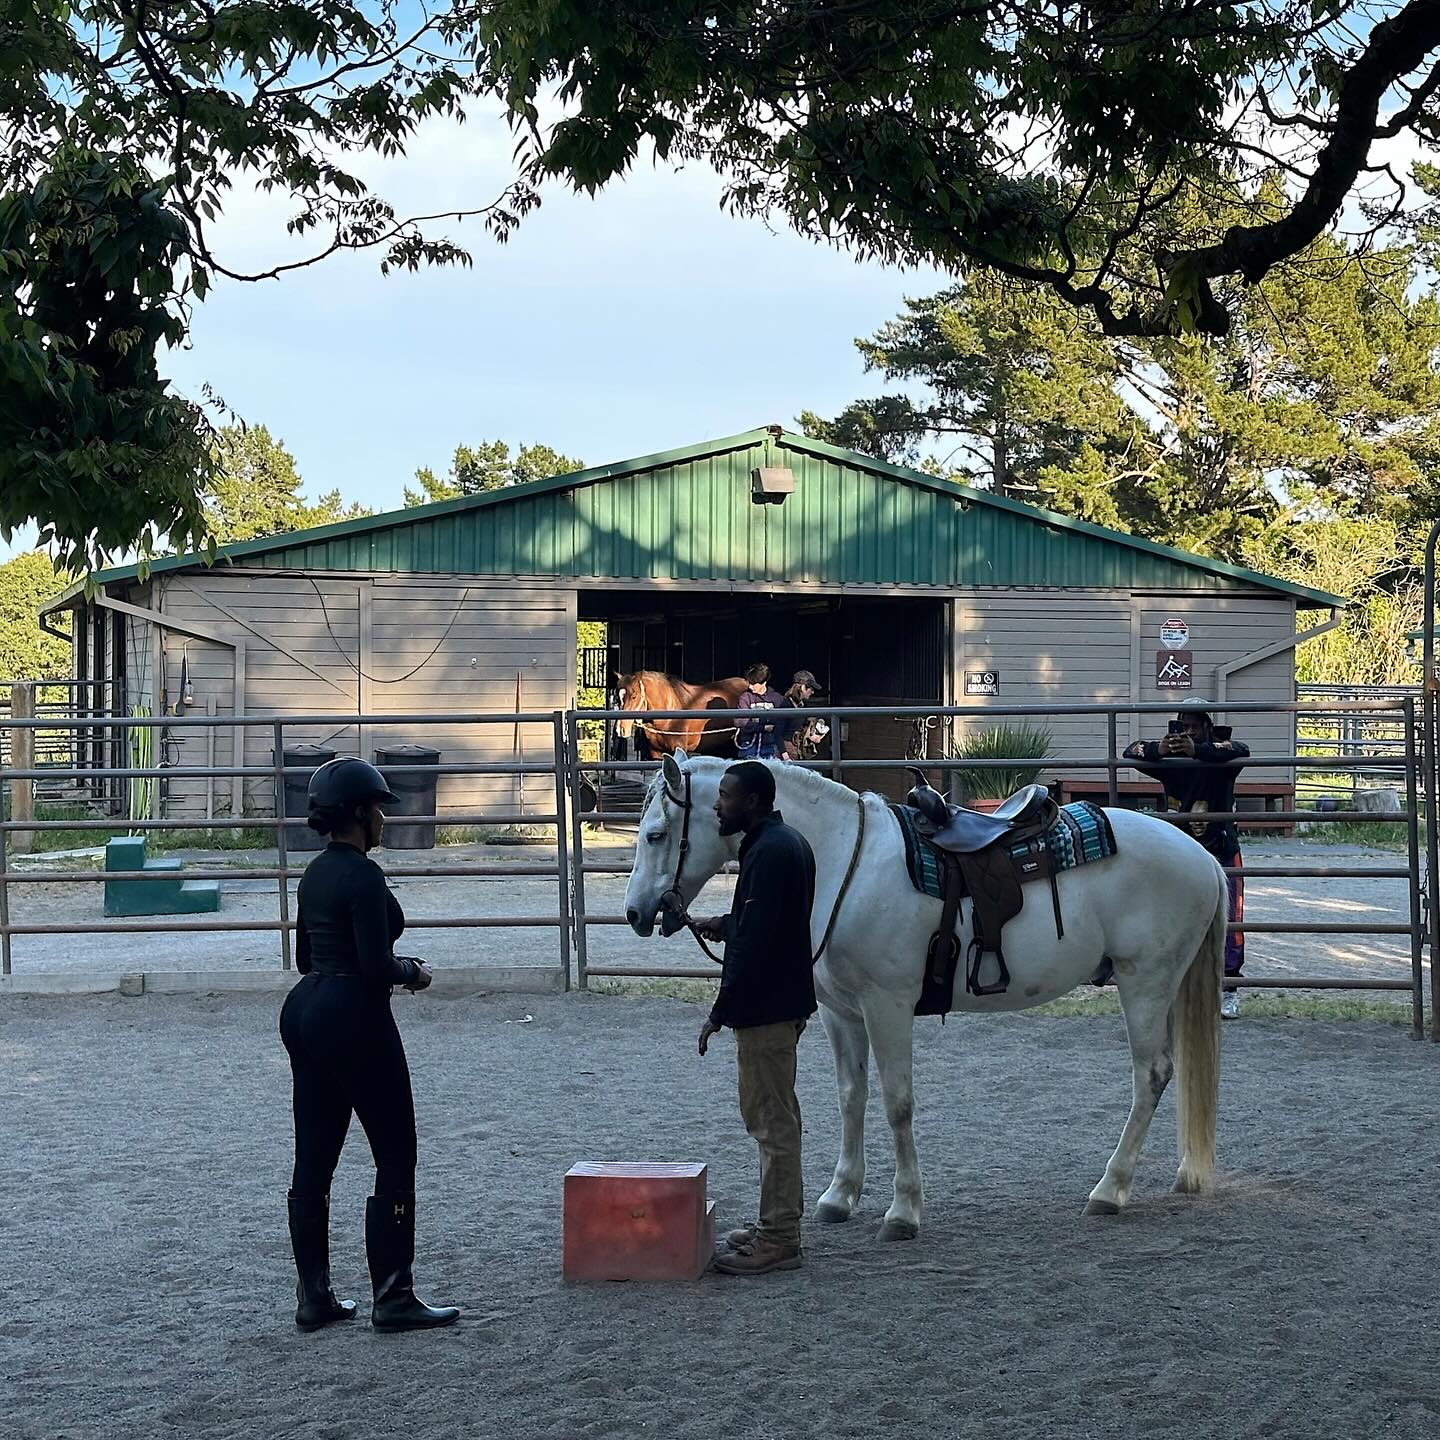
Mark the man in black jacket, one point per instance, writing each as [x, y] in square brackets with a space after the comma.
[767, 993]
[1190, 763]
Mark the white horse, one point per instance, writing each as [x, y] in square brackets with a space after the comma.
[1156, 909]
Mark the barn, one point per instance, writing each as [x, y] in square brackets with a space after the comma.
[890, 584]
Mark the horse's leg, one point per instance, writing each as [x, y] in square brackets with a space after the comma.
[1149, 1026]
[852, 1081]
[891, 1024]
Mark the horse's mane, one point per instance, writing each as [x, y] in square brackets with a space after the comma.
[812, 781]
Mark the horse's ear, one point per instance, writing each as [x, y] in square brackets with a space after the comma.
[674, 780]
[680, 754]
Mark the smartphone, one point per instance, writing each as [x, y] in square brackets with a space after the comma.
[1222, 732]
[1177, 727]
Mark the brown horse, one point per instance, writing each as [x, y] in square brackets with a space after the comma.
[651, 690]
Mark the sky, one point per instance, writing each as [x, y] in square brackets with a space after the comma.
[607, 328]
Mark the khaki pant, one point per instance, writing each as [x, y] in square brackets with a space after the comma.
[771, 1111]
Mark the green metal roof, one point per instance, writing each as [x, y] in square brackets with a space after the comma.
[686, 515]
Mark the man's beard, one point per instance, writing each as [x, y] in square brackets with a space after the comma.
[729, 827]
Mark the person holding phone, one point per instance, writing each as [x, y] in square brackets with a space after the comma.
[347, 1057]
[1195, 763]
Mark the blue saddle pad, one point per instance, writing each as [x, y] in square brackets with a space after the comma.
[1080, 836]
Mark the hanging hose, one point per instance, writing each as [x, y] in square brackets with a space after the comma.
[142, 757]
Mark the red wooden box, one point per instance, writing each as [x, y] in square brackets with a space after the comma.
[628, 1220]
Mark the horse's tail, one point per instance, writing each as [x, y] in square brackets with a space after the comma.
[1197, 1049]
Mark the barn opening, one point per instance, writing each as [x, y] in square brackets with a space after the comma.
[864, 650]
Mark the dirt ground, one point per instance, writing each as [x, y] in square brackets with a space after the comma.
[146, 1289]
[1280, 956]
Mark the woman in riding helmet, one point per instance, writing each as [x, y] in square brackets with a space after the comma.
[347, 1057]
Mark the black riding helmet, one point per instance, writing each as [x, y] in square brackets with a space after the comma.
[347, 780]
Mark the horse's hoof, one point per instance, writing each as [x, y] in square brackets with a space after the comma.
[899, 1230]
[828, 1214]
[1101, 1207]
[1186, 1184]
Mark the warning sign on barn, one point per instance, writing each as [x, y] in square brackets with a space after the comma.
[1174, 633]
[1173, 670]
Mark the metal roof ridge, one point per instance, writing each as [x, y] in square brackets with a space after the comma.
[412, 514]
[953, 489]
[959, 490]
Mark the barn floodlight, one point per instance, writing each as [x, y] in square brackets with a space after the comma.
[770, 484]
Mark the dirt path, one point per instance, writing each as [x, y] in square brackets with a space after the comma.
[147, 1288]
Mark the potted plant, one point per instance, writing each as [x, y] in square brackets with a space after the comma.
[984, 789]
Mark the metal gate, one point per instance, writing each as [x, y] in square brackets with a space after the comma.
[1430, 777]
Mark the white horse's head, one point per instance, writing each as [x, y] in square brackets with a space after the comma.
[679, 847]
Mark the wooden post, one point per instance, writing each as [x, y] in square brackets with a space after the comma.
[22, 757]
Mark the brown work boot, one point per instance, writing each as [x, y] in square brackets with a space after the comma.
[758, 1256]
[742, 1236]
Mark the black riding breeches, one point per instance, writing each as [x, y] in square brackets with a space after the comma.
[347, 1057]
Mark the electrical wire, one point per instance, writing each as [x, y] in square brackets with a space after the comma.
[394, 679]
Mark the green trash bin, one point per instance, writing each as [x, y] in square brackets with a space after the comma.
[414, 795]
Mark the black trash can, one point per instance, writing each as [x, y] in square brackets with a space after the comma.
[415, 795]
[297, 794]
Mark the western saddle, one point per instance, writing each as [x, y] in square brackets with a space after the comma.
[988, 857]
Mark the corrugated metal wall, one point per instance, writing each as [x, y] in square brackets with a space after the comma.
[695, 521]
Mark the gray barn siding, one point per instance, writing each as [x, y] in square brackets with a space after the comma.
[1222, 629]
[1074, 647]
[471, 648]
[419, 643]
[1059, 647]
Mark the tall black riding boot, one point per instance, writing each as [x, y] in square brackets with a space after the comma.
[390, 1248]
[310, 1239]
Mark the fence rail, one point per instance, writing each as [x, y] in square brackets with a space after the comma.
[573, 776]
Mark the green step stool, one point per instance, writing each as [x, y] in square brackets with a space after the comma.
[153, 897]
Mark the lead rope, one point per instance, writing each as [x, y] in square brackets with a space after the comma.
[835, 911]
[845, 883]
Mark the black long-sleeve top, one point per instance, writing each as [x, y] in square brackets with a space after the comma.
[348, 921]
[768, 964]
[1204, 783]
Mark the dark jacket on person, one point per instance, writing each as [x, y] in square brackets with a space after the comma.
[347, 921]
[768, 963]
[1204, 783]
[753, 728]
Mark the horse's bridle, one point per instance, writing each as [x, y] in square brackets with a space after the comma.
[673, 915]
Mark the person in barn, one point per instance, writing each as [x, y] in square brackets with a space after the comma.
[799, 732]
[758, 738]
[347, 1057]
[767, 994]
[1194, 762]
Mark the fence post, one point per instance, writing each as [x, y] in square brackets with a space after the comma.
[281, 843]
[562, 846]
[22, 757]
[4, 888]
[577, 855]
[1112, 770]
[1412, 853]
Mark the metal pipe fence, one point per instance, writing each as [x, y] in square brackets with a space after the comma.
[1400, 711]
[553, 815]
[568, 775]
